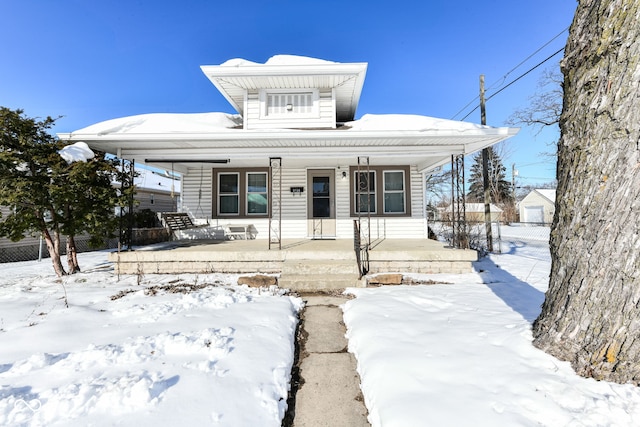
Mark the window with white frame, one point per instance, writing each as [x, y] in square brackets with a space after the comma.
[394, 201]
[257, 196]
[228, 194]
[241, 192]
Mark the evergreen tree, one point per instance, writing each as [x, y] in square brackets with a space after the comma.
[499, 188]
[46, 194]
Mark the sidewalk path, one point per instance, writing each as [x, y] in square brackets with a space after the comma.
[330, 393]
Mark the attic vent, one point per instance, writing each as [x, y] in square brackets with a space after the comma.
[289, 103]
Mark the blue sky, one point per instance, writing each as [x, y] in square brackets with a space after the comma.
[90, 61]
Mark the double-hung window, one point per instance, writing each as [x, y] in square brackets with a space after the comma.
[241, 193]
[365, 192]
[394, 192]
[381, 191]
[228, 193]
[257, 196]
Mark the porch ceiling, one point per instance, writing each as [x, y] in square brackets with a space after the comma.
[427, 149]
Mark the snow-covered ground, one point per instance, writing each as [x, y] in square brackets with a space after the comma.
[129, 351]
[460, 354]
[125, 353]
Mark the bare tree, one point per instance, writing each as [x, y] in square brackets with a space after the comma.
[591, 313]
[545, 105]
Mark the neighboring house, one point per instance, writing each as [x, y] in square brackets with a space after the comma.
[474, 212]
[156, 191]
[294, 162]
[538, 206]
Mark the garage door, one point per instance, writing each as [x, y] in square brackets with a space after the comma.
[534, 214]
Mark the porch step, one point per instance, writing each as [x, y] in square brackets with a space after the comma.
[318, 275]
[320, 267]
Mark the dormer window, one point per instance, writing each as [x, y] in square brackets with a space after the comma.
[289, 103]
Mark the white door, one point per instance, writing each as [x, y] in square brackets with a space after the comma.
[321, 204]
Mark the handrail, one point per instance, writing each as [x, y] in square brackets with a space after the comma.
[362, 250]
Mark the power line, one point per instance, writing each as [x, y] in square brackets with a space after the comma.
[528, 58]
[503, 78]
[515, 80]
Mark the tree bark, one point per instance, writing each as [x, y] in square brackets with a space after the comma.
[53, 246]
[72, 255]
[591, 314]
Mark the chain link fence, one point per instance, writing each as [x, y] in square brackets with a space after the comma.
[33, 248]
[523, 239]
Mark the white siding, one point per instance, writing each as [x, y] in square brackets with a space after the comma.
[535, 199]
[294, 207]
[326, 119]
[197, 193]
[388, 226]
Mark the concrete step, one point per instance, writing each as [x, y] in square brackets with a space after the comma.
[318, 282]
[321, 267]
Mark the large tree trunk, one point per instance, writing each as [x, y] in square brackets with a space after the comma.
[53, 246]
[591, 315]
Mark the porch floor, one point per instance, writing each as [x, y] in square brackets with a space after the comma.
[254, 256]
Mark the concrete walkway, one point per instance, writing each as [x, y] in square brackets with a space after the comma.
[330, 391]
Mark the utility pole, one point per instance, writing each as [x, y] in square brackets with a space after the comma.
[485, 172]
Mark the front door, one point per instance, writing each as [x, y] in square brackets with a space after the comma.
[321, 205]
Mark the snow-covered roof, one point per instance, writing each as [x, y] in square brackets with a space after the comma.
[235, 76]
[476, 208]
[155, 181]
[163, 123]
[160, 139]
[547, 193]
[479, 207]
[200, 123]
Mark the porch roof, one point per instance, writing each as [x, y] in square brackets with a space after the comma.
[427, 149]
[193, 140]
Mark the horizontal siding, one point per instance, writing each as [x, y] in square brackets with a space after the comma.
[294, 207]
[389, 226]
[156, 201]
[326, 119]
[197, 193]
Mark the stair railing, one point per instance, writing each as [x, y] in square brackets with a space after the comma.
[361, 249]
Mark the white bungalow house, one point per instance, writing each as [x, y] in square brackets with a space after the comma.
[538, 206]
[294, 162]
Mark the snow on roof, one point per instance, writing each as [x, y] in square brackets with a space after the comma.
[155, 181]
[164, 123]
[408, 122]
[477, 208]
[549, 194]
[277, 60]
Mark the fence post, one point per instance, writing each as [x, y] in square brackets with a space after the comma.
[498, 237]
[40, 248]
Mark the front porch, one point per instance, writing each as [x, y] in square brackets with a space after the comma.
[301, 264]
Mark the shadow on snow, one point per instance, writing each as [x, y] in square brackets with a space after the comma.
[517, 294]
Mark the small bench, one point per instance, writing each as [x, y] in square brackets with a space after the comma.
[238, 231]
